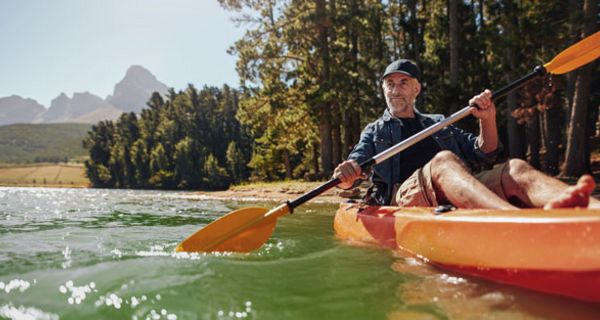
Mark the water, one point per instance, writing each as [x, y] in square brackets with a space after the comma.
[109, 254]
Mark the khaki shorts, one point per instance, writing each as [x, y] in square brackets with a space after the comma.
[417, 190]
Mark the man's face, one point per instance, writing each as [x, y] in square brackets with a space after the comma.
[400, 93]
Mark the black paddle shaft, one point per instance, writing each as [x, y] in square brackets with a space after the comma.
[328, 185]
[537, 71]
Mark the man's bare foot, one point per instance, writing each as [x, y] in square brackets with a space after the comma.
[577, 196]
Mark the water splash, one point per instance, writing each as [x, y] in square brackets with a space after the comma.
[157, 315]
[111, 299]
[116, 253]
[115, 301]
[68, 260]
[15, 284]
[9, 311]
[78, 294]
[239, 314]
[159, 251]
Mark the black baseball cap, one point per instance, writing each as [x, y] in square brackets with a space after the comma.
[403, 66]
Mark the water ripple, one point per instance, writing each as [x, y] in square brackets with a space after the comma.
[9, 311]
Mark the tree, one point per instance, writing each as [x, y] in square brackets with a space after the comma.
[577, 137]
[322, 23]
[140, 162]
[317, 63]
[99, 143]
[236, 164]
[215, 177]
[454, 46]
[183, 168]
[169, 144]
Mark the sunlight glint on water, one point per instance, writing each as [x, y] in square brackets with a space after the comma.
[109, 254]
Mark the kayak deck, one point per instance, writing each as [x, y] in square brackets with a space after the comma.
[553, 251]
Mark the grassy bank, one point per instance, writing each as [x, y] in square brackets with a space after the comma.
[44, 175]
[283, 186]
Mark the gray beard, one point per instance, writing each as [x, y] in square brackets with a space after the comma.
[402, 108]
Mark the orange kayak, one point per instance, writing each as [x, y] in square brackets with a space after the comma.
[552, 251]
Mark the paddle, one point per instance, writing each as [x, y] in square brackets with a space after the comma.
[248, 229]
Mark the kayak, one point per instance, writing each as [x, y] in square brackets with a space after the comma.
[551, 251]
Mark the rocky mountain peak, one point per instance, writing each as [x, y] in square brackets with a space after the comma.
[137, 71]
[132, 93]
[65, 109]
[16, 109]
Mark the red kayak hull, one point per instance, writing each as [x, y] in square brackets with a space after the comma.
[556, 252]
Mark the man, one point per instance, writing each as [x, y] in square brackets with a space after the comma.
[438, 169]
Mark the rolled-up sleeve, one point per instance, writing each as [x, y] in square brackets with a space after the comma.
[469, 147]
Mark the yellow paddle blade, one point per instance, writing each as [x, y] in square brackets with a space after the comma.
[575, 56]
[242, 230]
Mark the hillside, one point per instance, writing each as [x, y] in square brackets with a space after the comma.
[26, 143]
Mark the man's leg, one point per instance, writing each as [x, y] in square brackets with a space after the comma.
[535, 189]
[453, 182]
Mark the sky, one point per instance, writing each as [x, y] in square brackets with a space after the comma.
[53, 46]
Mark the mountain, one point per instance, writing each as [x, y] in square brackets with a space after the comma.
[103, 112]
[65, 109]
[132, 93]
[15, 109]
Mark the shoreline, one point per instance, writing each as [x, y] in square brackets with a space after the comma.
[260, 191]
[276, 192]
[254, 192]
[58, 186]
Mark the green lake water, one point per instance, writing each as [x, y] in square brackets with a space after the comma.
[109, 254]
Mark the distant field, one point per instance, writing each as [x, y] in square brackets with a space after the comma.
[50, 175]
[53, 142]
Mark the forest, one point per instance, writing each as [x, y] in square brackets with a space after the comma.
[191, 140]
[309, 76]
